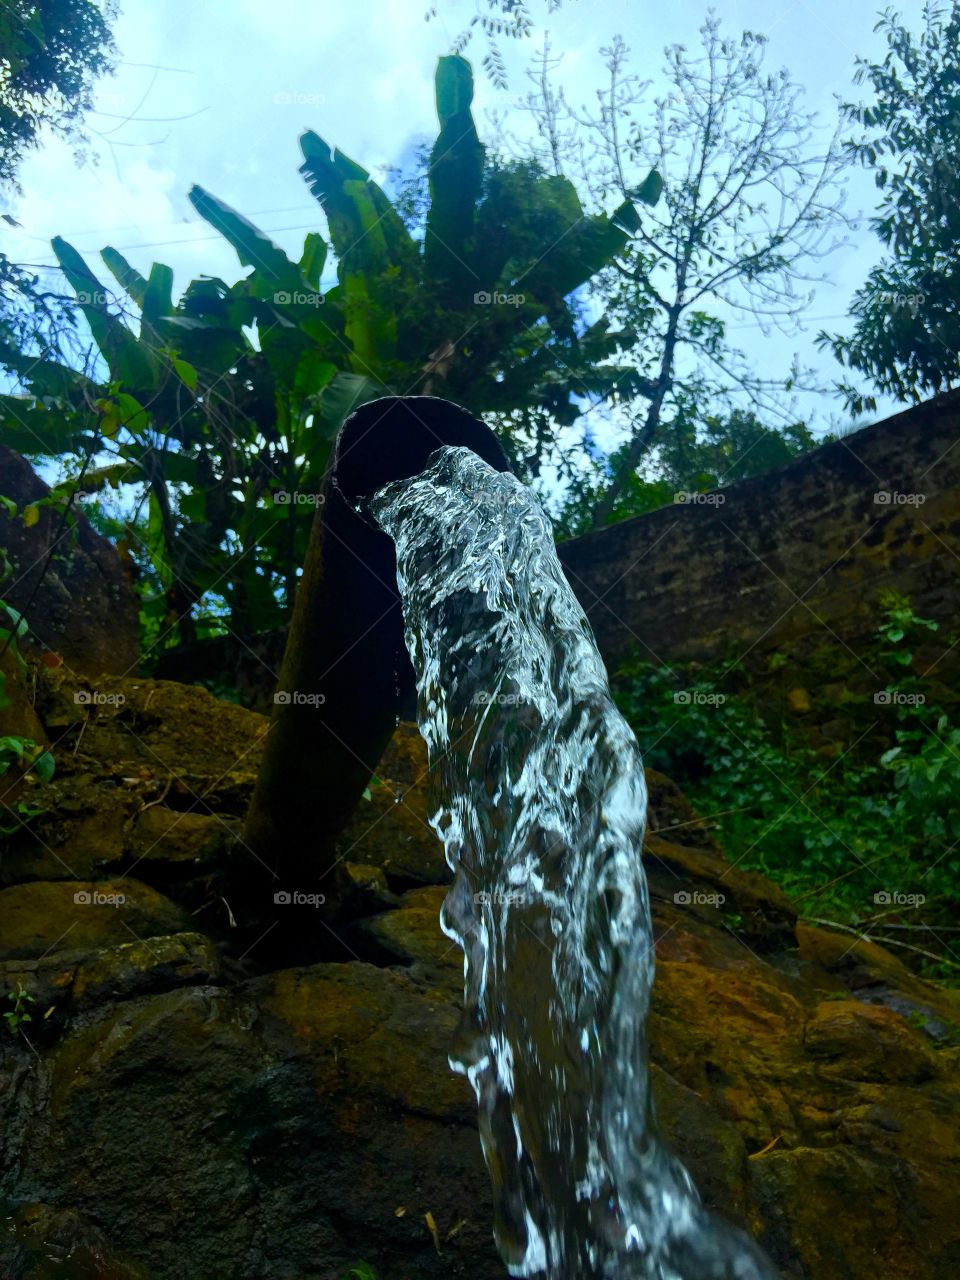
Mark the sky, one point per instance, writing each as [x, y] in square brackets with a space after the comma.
[217, 93]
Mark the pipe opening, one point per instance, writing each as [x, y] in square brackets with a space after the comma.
[393, 438]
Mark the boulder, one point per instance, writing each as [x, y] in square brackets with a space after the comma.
[82, 606]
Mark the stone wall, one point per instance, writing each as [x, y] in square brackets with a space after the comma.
[790, 558]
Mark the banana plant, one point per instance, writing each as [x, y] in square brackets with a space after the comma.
[216, 428]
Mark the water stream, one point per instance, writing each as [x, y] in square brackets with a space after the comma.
[540, 803]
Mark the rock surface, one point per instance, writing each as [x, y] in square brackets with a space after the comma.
[178, 1107]
[82, 607]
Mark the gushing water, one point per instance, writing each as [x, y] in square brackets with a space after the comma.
[540, 804]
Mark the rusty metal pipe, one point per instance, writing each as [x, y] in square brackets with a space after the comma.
[346, 678]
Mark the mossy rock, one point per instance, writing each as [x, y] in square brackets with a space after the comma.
[74, 915]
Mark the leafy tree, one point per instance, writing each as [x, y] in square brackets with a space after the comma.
[51, 51]
[906, 337]
[699, 452]
[748, 206]
[496, 20]
[225, 431]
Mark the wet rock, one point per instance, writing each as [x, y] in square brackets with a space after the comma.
[50, 1244]
[272, 1130]
[853, 1041]
[671, 816]
[45, 916]
[139, 968]
[412, 935]
[390, 831]
[201, 841]
[203, 1121]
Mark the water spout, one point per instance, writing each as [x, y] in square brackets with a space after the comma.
[540, 803]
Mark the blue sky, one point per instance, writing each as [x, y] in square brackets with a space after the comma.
[217, 93]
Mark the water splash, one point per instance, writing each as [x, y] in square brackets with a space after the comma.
[541, 805]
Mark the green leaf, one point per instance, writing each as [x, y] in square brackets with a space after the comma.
[650, 189]
[128, 360]
[193, 506]
[186, 373]
[254, 249]
[126, 276]
[354, 207]
[346, 392]
[313, 259]
[44, 766]
[456, 183]
[158, 295]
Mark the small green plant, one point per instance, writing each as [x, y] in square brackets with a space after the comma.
[360, 1271]
[32, 760]
[869, 835]
[18, 1015]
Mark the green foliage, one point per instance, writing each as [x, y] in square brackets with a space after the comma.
[749, 197]
[30, 760]
[227, 436]
[834, 830]
[906, 337]
[360, 1271]
[53, 51]
[699, 453]
[26, 755]
[19, 1014]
